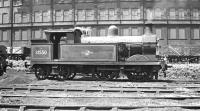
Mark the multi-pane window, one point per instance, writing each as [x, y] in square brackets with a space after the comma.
[0, 18]
[17, 2]
[157, 13]
[90, 14]
[5, 35]
[1, 3]
[172, 13]
[5, 17]
[17, 35]
[149, 14]
[182, 34]
[81, 15]
[195, 14]
[172, 33]
[62, 1]
[159, 33]
[46, 16]
[181, 13]
[103, 14]
[102, 32]
[196, 34]
[43, 34]
[6, 3]
[126, 14]
[38, 17]
[136, 14]
[59, 15]
[68, 15]
[112, 14]
[25, 17]
[134, 31]
[125, 32]
[41, 2]
[37, 34]
[24, 34]
[18, 17]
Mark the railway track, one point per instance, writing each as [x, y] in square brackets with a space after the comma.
[33, 97]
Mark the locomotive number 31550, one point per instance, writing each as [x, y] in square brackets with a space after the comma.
[41, 52]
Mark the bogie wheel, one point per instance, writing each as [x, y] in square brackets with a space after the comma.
[131, 75]
[156, 76]
[71, 75]
[106, 75]
[138, 76]
[62, 74]
[67, 73]
[41, 73]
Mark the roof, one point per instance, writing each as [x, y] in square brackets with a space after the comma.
[59, 31]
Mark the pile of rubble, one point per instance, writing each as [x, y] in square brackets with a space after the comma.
[184, 72]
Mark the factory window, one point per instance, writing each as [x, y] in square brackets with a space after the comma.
[5, 17]
[81, 15]
[36, 34]
[18, 17]
[46, 16]
[38, 17]
[112, 14]
[149, 14]
[135, 31]
[196, 33]
[182, 34]
[41, 2]
[43, 34]
[0, 36]
[62, 1]
[90, 14]
[1, 19]
[172, 14]
[181, 14]
[1, 3]
[6, 3]
[195, 14]
[157, 13]
[59, 15]
[25, 17]
[159, 33]
[126, 32]
[102, 32]
[172, 33]
[85, 1]
[103, 14]
[136, 14]
[17, 35]
[24, 34]
[5, 35]
[126, 14]
[17, 2]
[68, 15]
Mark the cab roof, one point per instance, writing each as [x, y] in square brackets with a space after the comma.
[59, 31]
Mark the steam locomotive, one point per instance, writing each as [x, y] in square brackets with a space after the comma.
[67, 52]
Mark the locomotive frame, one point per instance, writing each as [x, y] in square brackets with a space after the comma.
[104, 60]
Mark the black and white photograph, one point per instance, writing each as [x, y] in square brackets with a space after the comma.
[99, 55]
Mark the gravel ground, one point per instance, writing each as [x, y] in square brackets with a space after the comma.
[21, 78]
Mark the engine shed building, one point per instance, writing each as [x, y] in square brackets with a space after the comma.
[176, 22]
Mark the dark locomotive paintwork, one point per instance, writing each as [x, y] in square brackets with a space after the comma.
[65, 56]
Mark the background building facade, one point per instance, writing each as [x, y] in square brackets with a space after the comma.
[176, 22]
